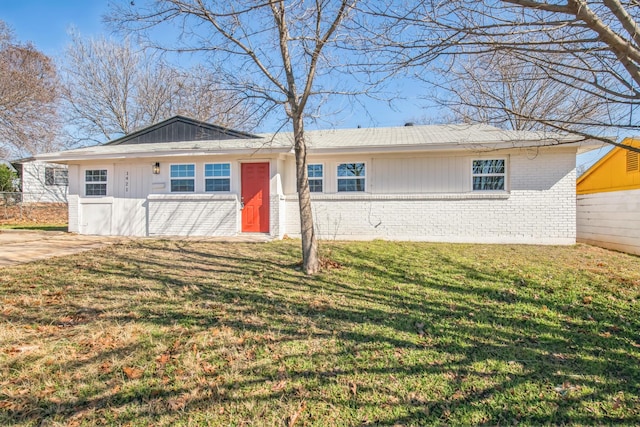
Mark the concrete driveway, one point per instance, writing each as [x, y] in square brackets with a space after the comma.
[20, 246]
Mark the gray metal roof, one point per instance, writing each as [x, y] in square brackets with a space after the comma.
[404, 138]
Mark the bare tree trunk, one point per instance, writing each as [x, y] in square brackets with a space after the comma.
[309, 36]
[310, 261]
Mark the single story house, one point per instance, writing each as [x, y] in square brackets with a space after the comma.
[42, 182]
[608, 205]
[453, 183]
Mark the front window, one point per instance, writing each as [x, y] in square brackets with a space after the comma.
[351, 177]
[95, 182]
[217, 177]
[315, 176]
[56, 176]
[489, 175]
[183, 178]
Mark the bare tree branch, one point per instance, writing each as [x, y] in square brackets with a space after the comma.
[588, 50]
[112, 89]
[28, 98]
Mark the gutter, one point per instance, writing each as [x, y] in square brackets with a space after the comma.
[69, 157]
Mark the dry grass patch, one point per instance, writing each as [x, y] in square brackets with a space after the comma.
[189, 333]
[34, 215]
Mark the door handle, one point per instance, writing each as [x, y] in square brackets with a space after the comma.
[242, 203]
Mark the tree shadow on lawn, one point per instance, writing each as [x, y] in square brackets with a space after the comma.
[429, 340]
[589, 343]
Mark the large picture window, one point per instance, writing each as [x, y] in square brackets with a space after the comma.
[56, 176]
[217, 177]
[183, 178]
[315, 174]
[95, 182]
[489, 175]
[351, 177]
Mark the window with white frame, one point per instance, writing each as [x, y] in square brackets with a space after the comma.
[315, 174]
[217, 177]
[183, 178]
[351, 176]
[56, 176]
[489, 174]
[95, 182]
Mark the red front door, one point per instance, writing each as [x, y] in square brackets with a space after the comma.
[255, 196]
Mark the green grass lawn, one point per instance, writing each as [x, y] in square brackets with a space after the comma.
[194, 333]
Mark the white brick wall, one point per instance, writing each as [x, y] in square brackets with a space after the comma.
[277, 211]
[74, 219]
[610, 220]
[539, 208]
[193, 215]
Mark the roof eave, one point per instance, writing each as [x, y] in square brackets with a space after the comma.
[71, 157]
[461, 146]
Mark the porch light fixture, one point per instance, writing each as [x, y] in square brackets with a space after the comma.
[156, 168]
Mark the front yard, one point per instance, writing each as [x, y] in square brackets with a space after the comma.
[190, 333]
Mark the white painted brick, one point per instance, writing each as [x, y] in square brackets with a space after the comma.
[193, 217]
[74, 219]
[540, 208]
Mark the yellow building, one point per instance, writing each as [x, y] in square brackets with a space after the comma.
[608, 201]
[618, 170]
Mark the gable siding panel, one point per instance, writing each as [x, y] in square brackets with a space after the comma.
[178, 131]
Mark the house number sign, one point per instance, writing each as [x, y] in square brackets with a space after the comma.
[126, 181]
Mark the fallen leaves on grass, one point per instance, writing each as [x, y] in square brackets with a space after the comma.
[329, 264]
[22, 349]
[208, 368]
[177, 404]
[10, 405]
[105, 368]
[294, 418]
[353, 388]
[441, 324]
[132, 373]
[163, 359]
[279, 386]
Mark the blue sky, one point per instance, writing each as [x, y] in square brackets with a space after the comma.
[46, 24]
